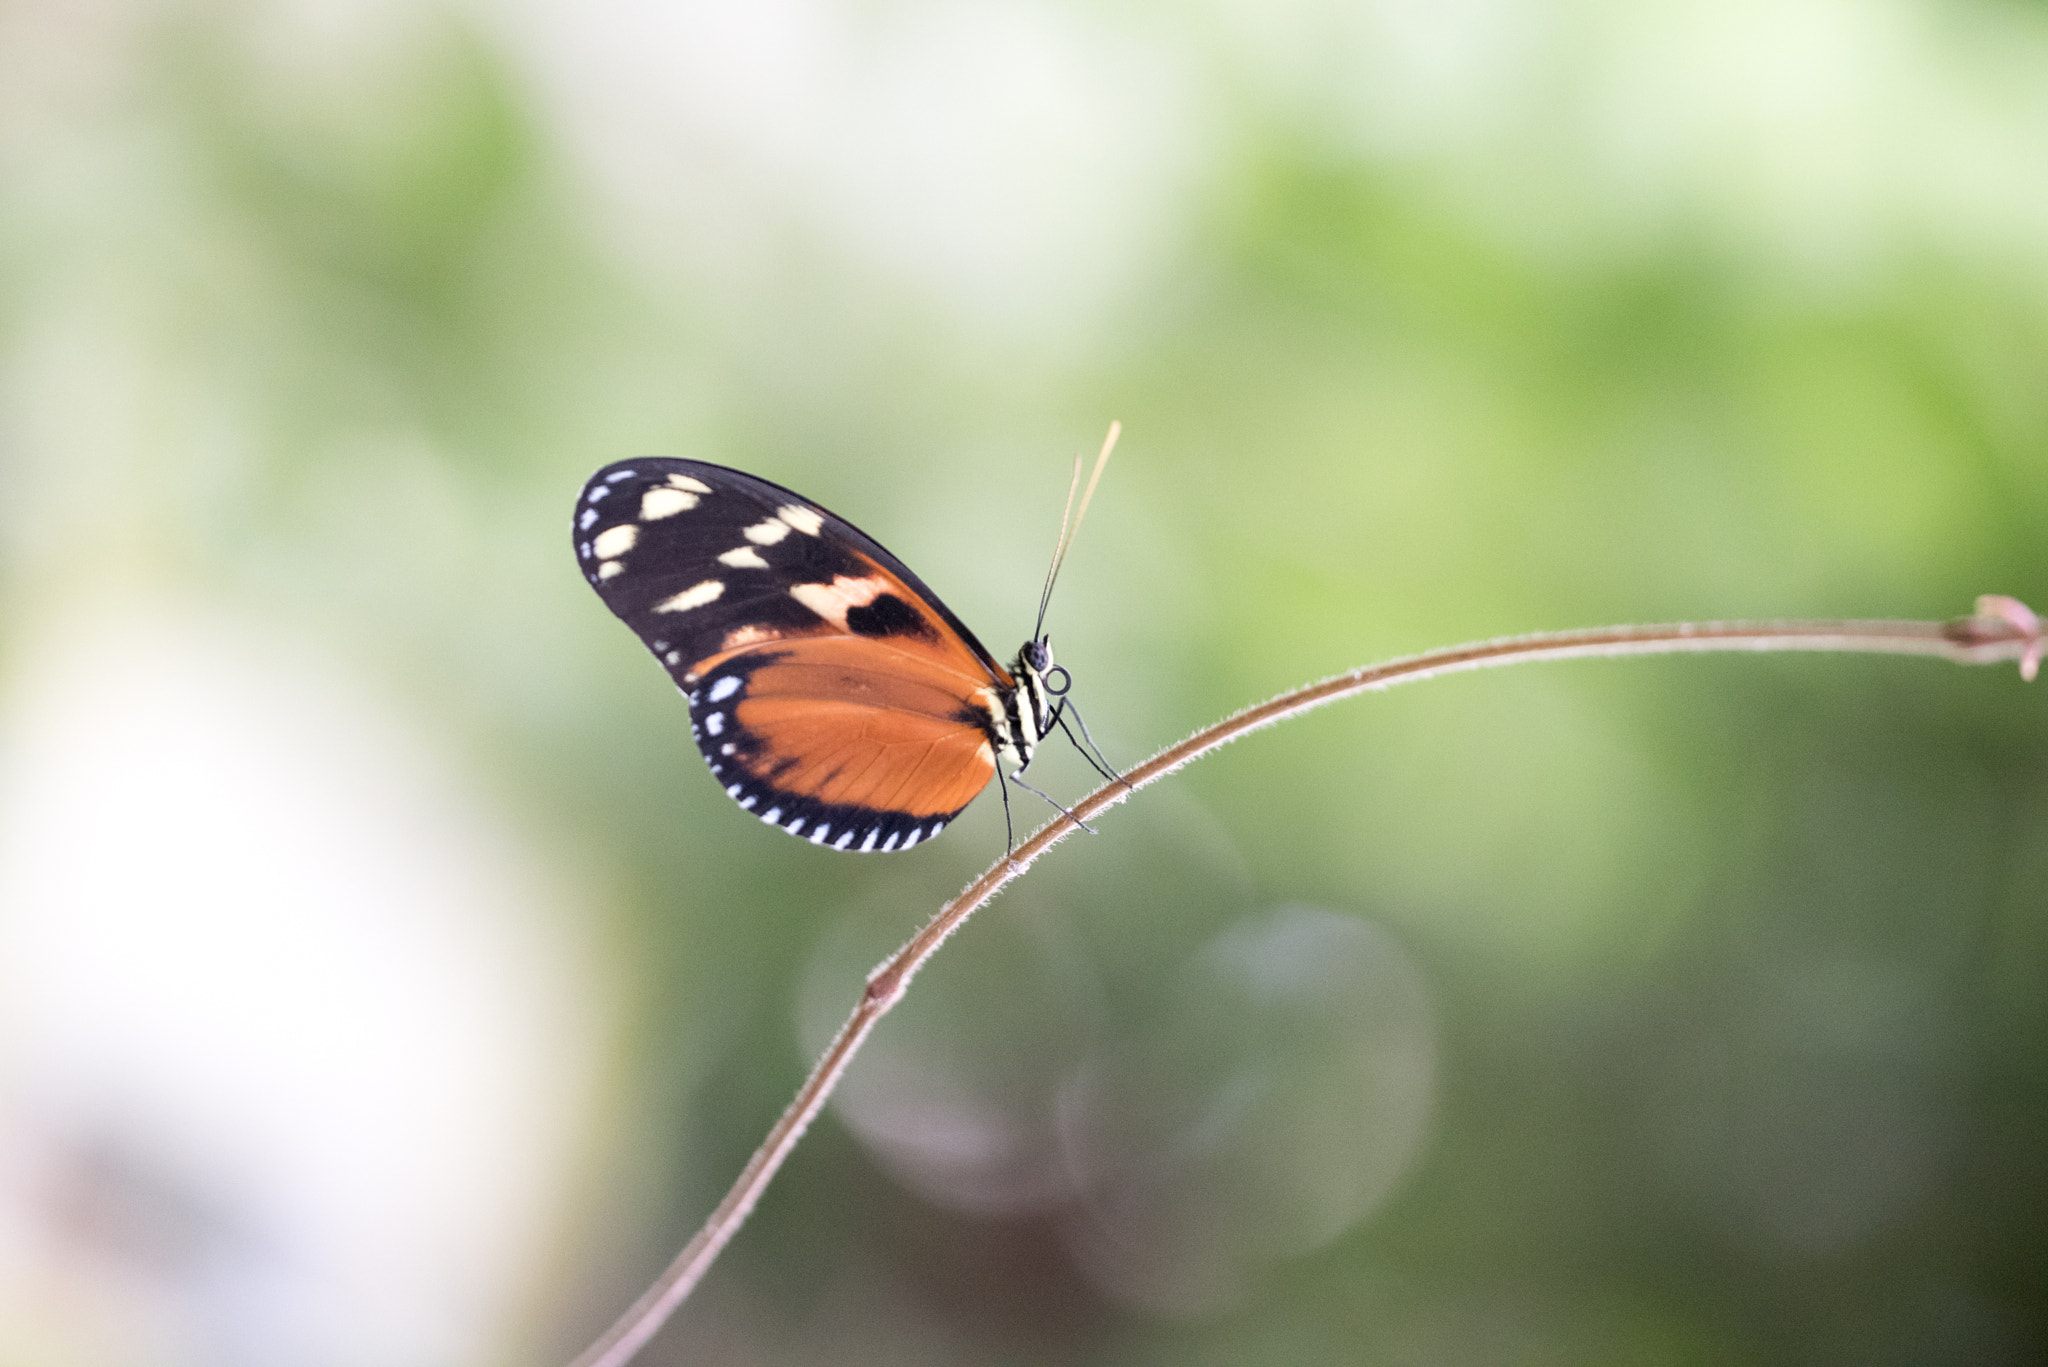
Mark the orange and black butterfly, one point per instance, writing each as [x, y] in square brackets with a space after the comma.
[833, 694]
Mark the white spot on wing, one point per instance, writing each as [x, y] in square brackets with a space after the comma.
[832, 601]
[843, 841]
[766, 533]
[724, 688]
[695, 486]
[869, 843]
[805, 520]
[599, 492]
[890, 843]
[911, 839]
[743, 558]
[795, 824]
[615, 541]
[773, 816]
[715, 723]
[675, 657]
[818, 836]
[726, 748]
[615, 476]
[696, 596]
[734, 791]
[748, 801]
[583, 522]
[662, 501]
[610, 569]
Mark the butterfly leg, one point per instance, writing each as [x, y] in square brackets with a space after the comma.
[1099, 760]
[1009, 831]
[1018, 779]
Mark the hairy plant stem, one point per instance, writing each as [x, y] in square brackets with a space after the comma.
[2002, 629]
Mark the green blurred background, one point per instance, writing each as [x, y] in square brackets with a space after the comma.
[384, 982]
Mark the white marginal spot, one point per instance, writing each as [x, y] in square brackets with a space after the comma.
[818, 836]
[583, 522]
[834, 600]
[610, 569]
[743, 558]
[695, 486]
[748, 801]
[616, 541]
[911, 839]
[773, 816]
[724, 688]
[617, 475]
[937, 826]
[662, 501]
[715, 723]
[869, 843]
[890, 843]
[843, 841]
[766, 533]
[734, 791]
[696, 596]
[675, 657]
[795, 825]
[806, 520]
[718, 768]
[599, 492]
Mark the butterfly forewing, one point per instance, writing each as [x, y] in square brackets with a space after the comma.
[831, 692]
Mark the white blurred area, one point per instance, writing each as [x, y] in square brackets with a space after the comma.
[294, 1052]
[1021, 165]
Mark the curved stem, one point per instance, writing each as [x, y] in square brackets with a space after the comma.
[2003, 629]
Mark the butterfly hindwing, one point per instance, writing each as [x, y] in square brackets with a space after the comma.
[831, 692]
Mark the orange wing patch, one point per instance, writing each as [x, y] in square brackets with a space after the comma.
[822, 718]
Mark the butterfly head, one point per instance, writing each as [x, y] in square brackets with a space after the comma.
[1035, 657]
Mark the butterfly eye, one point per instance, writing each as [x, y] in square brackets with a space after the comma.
[1058, 681]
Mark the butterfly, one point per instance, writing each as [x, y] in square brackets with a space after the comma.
[833, 694]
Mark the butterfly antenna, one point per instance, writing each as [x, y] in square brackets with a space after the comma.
[1067, 529]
